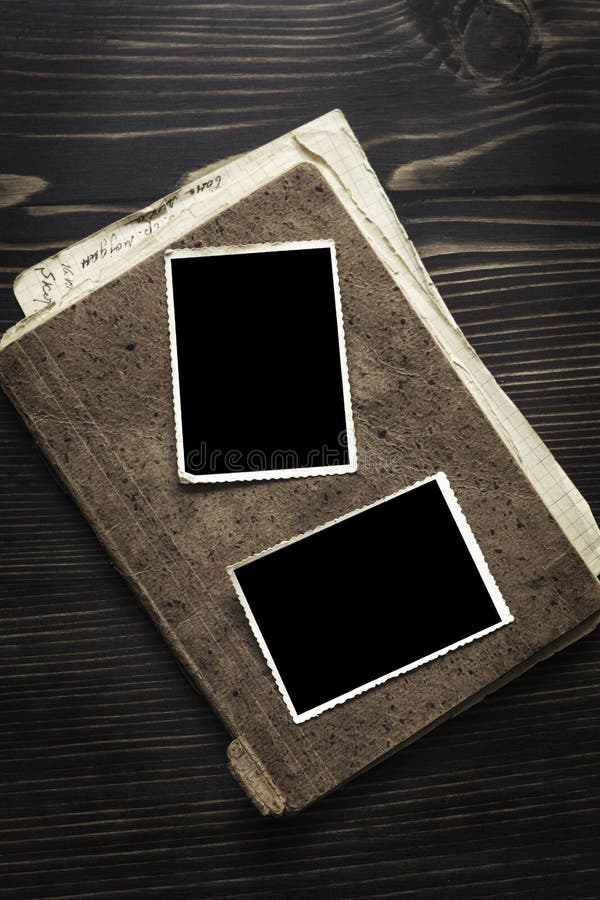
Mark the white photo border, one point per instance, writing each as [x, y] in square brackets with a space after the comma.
[260, 475]
[464, 528]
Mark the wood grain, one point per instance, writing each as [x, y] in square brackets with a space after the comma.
[482, 120]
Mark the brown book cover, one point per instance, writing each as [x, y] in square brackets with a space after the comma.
[93, 384]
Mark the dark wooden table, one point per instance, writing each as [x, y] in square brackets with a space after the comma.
[481, 118]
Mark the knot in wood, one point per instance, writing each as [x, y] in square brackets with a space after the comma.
[486, 40]
[497, 38]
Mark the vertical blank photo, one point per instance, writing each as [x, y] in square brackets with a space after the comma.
[368, 597]
[260, 379]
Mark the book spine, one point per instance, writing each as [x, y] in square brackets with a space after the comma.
[248, 770]
[53, 423]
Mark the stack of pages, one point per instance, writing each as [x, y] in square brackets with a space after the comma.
[342, 526]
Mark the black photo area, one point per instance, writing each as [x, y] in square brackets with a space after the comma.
[260, 375]
[367, 596]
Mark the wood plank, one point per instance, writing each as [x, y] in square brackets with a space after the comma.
[482, 121]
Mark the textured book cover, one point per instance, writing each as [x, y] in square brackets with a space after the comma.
[93, 383]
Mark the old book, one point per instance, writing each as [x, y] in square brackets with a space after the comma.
[91, 377]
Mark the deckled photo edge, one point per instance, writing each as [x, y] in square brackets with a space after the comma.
[317, 528]
[350, 433]
[505, 617]
[317, 710]
[181, 473]
[254, 627]
[474, 549]
[233, 249]
[186, 477]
